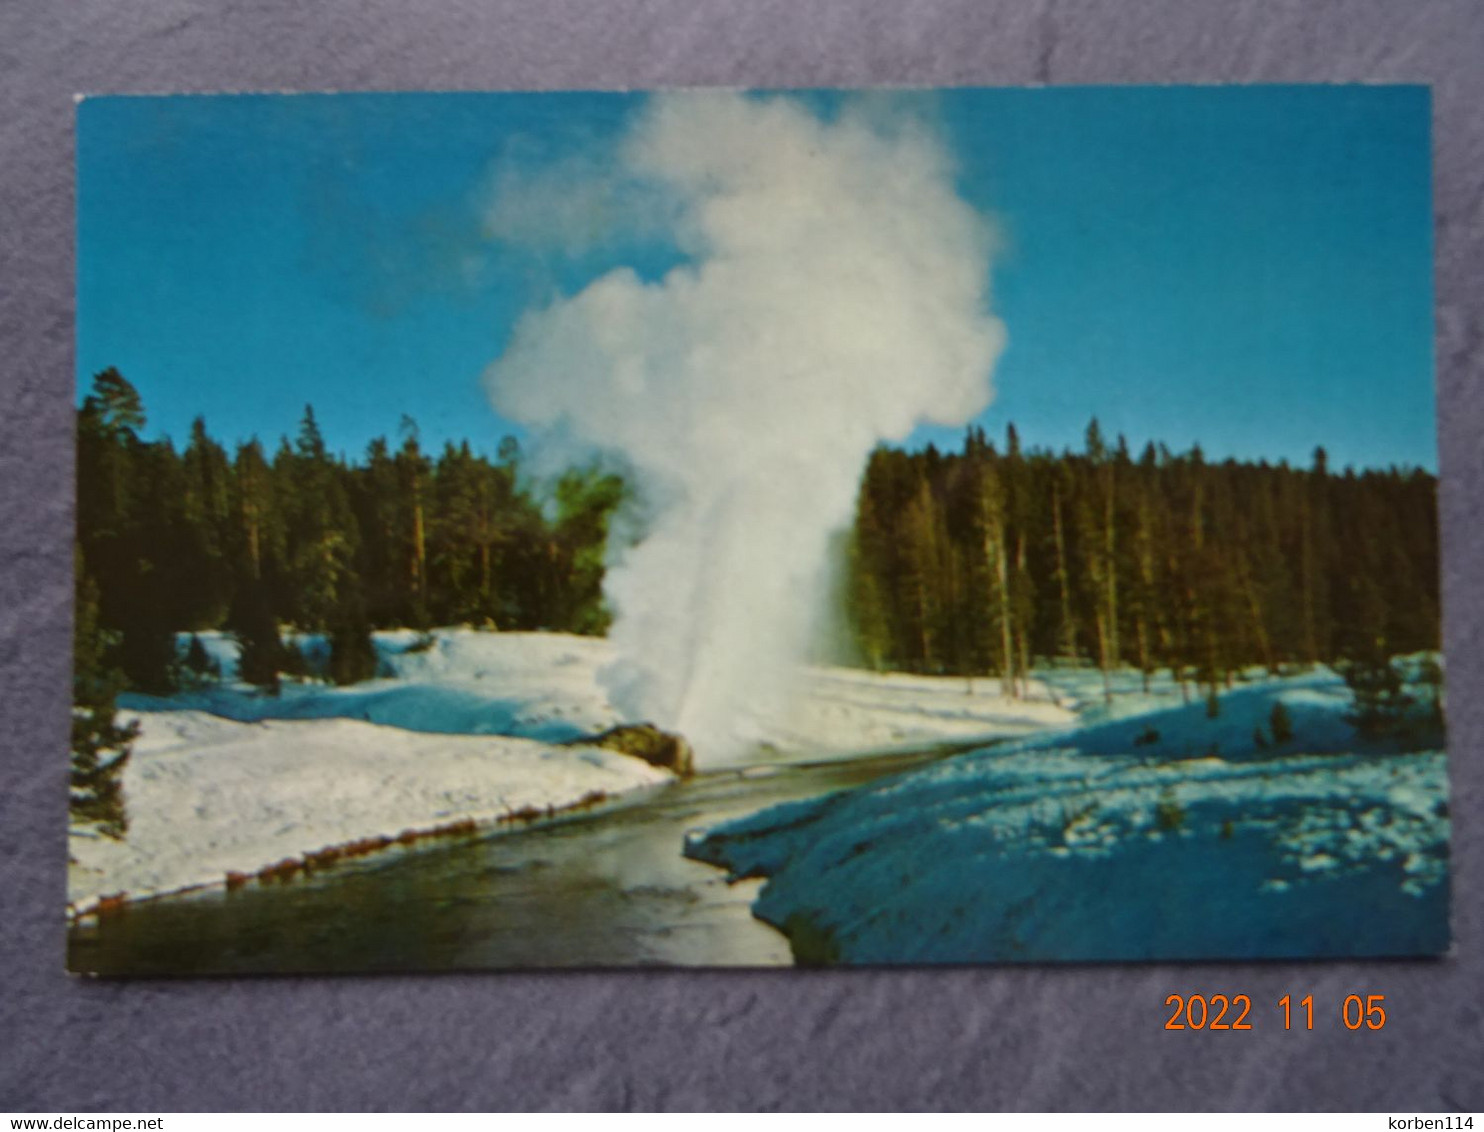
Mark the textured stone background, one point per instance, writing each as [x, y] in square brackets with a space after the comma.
[1087, 1037]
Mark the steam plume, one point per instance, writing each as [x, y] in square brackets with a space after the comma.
[835, 295]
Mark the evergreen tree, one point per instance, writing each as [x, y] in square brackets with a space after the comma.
[1019, 521]
[586, 500]
[990, 520]
[1280, 723]
[413, 469]
[1315, 560]
[866, 581]
[352, 648]
[100, 747]
[198, 662]
[319, 527]
[295, 664]
[921, 592]
[261, 654]
[205, 529]
[114, 404]
[1381, 701]
[472, 511]
[255, 542]
[1095, 531]
[1066, 638]
[376, 504]
[1430, 675]
[129, 531]
[1144, 601]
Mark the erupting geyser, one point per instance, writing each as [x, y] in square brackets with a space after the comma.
[834, 294]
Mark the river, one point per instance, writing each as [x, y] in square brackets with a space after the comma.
[609, 889]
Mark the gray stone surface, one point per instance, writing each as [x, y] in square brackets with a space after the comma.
[1083, 1037]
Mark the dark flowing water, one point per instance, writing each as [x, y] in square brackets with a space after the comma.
[610, 889]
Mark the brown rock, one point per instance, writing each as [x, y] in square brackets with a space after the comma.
[646, 741]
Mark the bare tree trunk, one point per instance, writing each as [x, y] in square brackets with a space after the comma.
[1110, 566]
[922, 560]
[1002, 584]
[1145, 543]
[923, 638]
[1143, 632]
[484, 582]
[1311, 635]
[1022, 631]
[1068, 626]
[991, 513]
[254, 552]
[1264, 644]
[419, 546]
[1102, 626]
[250, 518]
[1176, 650]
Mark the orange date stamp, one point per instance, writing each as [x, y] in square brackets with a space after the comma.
[1234, 1012]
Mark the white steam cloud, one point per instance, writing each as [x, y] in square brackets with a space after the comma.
[836, 295]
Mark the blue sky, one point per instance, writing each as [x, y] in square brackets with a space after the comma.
[1247, 268]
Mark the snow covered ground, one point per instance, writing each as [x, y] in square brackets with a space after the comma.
[207, 796]
[1139, 828]
[841, 710]
[1165, 834]
[547, 686]
[462, 726]
[455, 682]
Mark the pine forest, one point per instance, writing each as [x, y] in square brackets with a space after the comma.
[988, 560]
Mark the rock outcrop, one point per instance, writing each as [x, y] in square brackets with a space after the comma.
[646, 741]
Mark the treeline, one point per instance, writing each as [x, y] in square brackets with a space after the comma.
[201, 537]
[984, 561]
[976, 562]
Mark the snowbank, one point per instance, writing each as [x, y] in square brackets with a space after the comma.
[847, 711]
[455, 682]
[548, 686]
[1168, 835]
[207, 796]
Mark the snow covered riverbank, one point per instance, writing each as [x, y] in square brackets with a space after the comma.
[462, 726]
[208, 796]
[1163, 835]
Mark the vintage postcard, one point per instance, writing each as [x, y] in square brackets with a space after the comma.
[755, 528]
